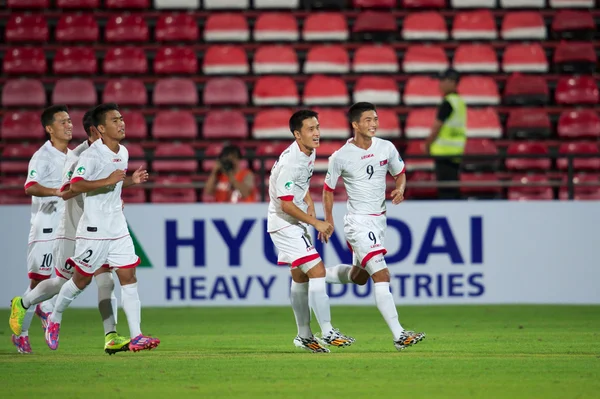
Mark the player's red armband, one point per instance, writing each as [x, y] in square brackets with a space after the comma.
[327, 188]
[287, 198]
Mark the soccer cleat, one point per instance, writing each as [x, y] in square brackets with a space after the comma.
[336, 338]
[310, 344]
[17, 314]
[142, 342]
[42, 315]
[408, 338]
[22, 344]
[52, 335]
[114, 343]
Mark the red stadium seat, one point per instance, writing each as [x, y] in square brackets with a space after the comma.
[576, 90]
[528, 123]
[372, 24]
[17, 151]
[125, 60]
[326, 148]
[424, 59]
[225, 124]
[419, 122]
[126, 28]
[579, 124]
[28, 4]
[133, 195]
[74, 92]
[475, 58]
[427, 25]
[421, 176]
[479, 90]
[582, 192]
[483, 122]
[523, 25]
[275, 59]
[23, 92]
[26, 28]
[272, 150]
[526, 90]
[175, 27]
[483, 155]
[417, 147]
[272, 123]
[524, 58]
[77, 28]
[424, 3]
[78, 4]
[375, 58]
[16, 195]
[325, 90]
[136, 151]
[575, 57]
[379, 90]
[327, 59]
[125, 92]
[334, 124]
[175, 60]
[469, 25]
[225, 60]
[573, 24]
[143, 4]
[472, 190]
[136, 128]
[174, 166]
[374, 3]
[79, 133]
[225, 91]
[174, 125]
[422, 90]
[24, 60]
[21, 125]
[275, 90]
[389, 125]
[579, 148]
[325, 26]
[175, 91]
[276, 26]
[173, 195]
[75, 60]
[525, 164]
[226, 27]
[530, 193]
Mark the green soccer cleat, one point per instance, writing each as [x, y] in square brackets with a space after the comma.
[17, 314]
[114, 343]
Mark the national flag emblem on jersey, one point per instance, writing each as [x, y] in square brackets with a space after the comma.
[32, 174]
[382, 163]
[80, 170]
[289, 185]
[69, 174]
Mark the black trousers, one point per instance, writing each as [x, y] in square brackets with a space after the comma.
[447, 170]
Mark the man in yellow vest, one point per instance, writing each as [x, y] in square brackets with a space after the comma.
[446, 142]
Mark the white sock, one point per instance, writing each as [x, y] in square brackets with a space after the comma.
[48, 305]
[339, 274]
[106, 286]
[28, 317]
[67, 294]
[299, 299]
[43, 291]
[133, 308]
[385, 304]
[319, 302]
[114, 303]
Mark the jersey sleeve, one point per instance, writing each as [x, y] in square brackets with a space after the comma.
[67, 175]
[284, 186]
[396, 164]
[37, 172]
[84, 170]
[334, 171]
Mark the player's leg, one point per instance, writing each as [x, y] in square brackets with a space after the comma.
[123, 258]
[113, 342]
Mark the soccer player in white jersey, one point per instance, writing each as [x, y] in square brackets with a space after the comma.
[65, 248]
[43, 184]
[102, 234]
[291, 210]
[363, 163]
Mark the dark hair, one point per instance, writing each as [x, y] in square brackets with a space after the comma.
[87, 121]
[298, 118]
[231, 149]
[99, 113]
[48, 114]
[356, 111]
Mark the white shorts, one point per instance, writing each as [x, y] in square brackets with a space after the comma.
[295, 247]
[91, 255]
[365, 235]
[41, 259]
[64, 249]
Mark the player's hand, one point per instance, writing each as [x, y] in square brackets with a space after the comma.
[397, 196]
[140, 176]
[59, 193]
[324, 238]
[115, 177]
[325, 230]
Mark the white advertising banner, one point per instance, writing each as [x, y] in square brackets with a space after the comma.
[488, 252]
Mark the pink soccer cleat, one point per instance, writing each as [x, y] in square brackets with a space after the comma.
[52, 335]
[142, 342]
[22, 344]
[42, 315]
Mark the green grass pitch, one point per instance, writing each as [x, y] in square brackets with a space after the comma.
[470, 352]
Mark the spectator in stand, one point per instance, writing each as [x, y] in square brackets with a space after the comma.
[228, 181]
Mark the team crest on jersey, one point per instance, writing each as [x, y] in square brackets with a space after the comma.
[32, 173]
[289, 185]
[382, 163]
[69, 174]
[80, 170]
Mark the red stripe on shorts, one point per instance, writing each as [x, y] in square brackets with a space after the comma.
[371, 255]
[39, 277]
[60, 275]
[135, 264]
[305, 259]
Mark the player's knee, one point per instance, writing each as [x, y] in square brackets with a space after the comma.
[314, 269]
[382, 275]
[126, 276]
[81, 280]
[105, 280]
[359, 276]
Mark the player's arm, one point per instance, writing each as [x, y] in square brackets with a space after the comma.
[67, 194]
[325, 229]
[311, 205]
[80, 185]
[397, 168]
[37, 190]
[333, 174]
[444, 112]
[38, 170]
[139, 176]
